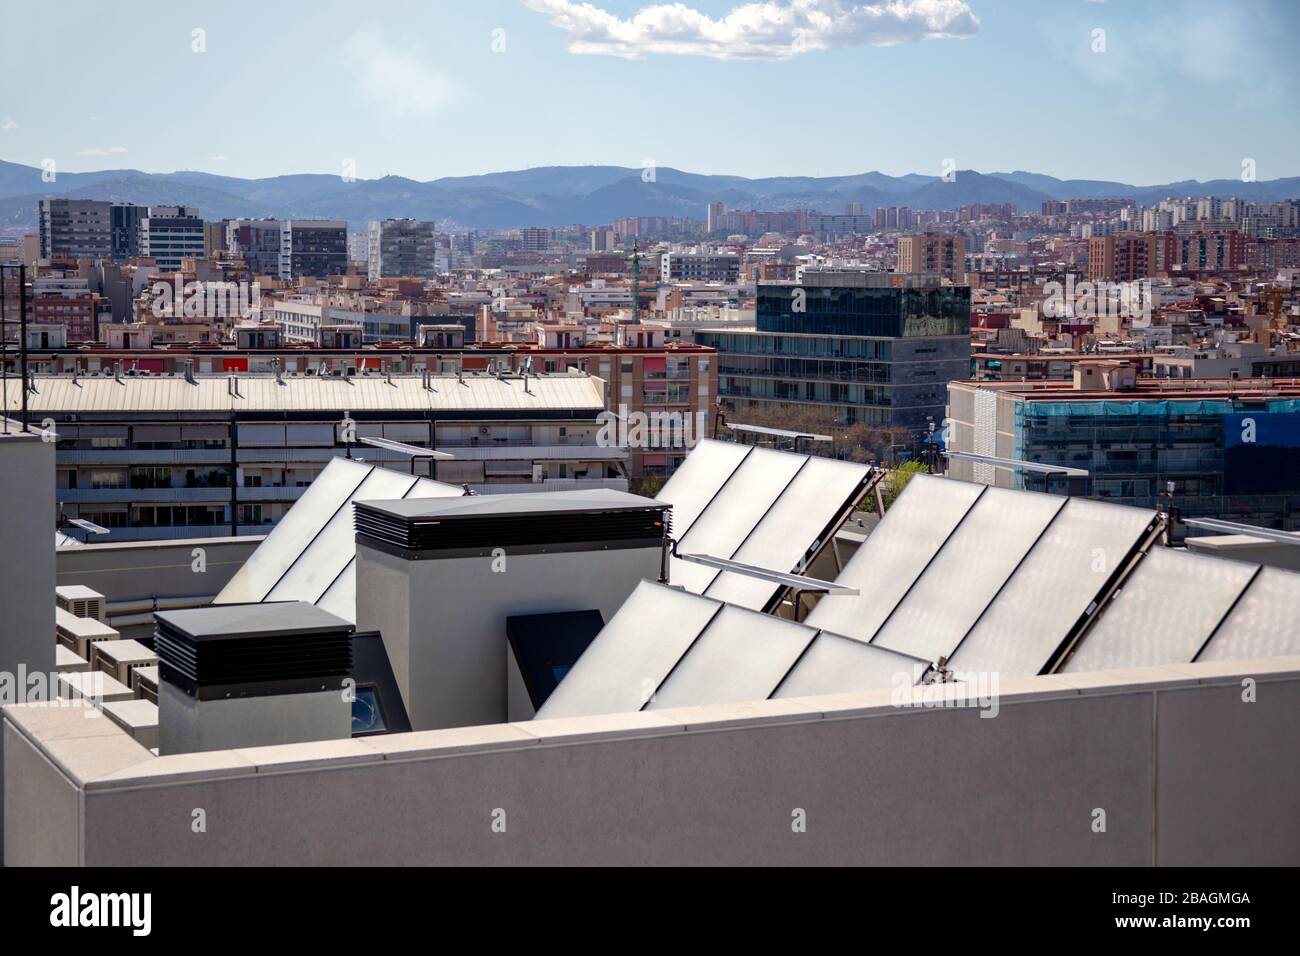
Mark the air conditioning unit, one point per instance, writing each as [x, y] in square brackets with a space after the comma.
[120, 658]
[81, 601]
[79, 633]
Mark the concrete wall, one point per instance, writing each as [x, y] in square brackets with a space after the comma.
[27, 522]
[130, 572]
[1185, 770]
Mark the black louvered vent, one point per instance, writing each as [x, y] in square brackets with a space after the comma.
[213, 667]
[484, 532]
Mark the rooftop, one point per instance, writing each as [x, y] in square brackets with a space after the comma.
[296, 393]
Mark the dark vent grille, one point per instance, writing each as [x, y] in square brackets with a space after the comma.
[484, 532]
[214, 668]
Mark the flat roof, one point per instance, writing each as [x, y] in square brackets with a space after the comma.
[262, 393]
[252, 620]
[546, 502]
[1148, 389]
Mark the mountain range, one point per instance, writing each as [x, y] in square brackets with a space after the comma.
[562, 195]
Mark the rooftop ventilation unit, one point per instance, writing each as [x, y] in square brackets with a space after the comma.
[80, 601]
[440, 577]
[252, 675]
[79, 633]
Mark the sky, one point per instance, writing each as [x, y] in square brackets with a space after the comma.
[1140, 91]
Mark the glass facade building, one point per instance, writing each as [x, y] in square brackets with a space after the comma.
[874, 349]
[1237, 459]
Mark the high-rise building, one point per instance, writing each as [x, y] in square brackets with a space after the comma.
[313, 247]
[534, 239]
[939, 253]
[125, 219]
[401, 247]
[169, 234]
[258, 241]
[870, 348]
[76, 229]
[1123, 256]
[713, 216]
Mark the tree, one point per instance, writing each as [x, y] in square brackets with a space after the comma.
[899, 477]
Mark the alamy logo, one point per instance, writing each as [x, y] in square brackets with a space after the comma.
[205, 300]
[624, 429]
[1092, 300]
[74, 908]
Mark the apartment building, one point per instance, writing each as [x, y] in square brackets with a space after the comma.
[75, 229]
[1124, 256]
[157, 457]
[169, 234]
[937, 253]
[313, 247]
[1136, 436]
[401, 247]
[698, 267]
[258, 242]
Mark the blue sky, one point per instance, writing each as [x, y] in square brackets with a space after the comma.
[1185, 89]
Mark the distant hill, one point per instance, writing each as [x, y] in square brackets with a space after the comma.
[562, 195]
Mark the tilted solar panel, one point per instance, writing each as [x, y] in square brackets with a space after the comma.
[839, 665]
[894, 555]
[966, 574]
[1167, 609]
[801, 521]
[742, 655]
[333, 487]
[734, 512]
[632, 654]
[1057, 585]
[1264, 623]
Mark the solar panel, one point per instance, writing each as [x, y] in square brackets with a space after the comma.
[1168, 607]
[840, 665]
[1263, 624]
[895, 554]
[812, 504]
[962, 580]
[632, 654]
[310, 554]
[333, 487]
[333, 548]
[734, 512]
[1059, 581]
[698, 478]
[341, 596]
[741, 655]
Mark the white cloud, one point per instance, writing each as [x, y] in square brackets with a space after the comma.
[8, 125]
[216, 159]
[775, 30]
[102, 151]
[394, 79]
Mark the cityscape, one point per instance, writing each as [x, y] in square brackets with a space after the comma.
[489, 464]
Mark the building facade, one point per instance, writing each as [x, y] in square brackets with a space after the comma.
[76, 229]
[401, 247]
[313, 247]
[161, 457]
[938, 253]
[866, 348]
[1231, 450]
[169, 234]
